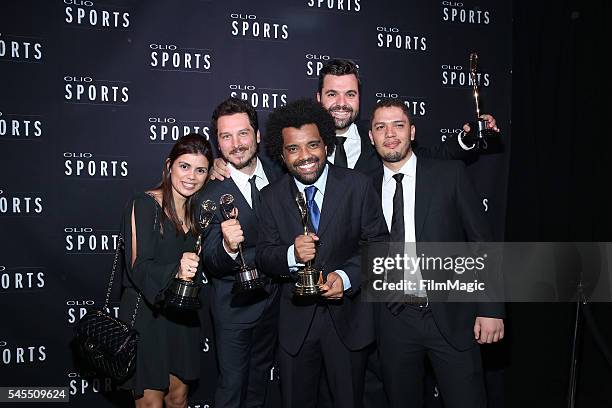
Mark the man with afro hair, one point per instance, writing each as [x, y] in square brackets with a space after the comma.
[332, 330]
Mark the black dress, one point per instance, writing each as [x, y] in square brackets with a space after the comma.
[169, 340]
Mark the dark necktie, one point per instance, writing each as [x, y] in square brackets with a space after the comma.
[397, 231]
[255, 194]
[313, 209]
[340, 157]
[397, 221]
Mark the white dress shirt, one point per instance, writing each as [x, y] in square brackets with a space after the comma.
[352, 147]
[409, 189]
[242, 180]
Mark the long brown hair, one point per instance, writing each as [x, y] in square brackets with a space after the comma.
[192, 143]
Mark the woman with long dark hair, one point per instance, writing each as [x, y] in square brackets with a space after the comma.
[160, 232]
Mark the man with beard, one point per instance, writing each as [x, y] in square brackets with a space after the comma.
[333, 330]
[428, 200]
[246, 323]
[339, 91]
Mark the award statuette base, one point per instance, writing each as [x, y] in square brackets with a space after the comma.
[309, 282]
[481, 128]
[478, 133]
[247, 279]
[183, 294]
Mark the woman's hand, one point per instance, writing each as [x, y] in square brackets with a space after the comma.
[188, 266]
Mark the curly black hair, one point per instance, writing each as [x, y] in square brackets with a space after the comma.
[295, 115]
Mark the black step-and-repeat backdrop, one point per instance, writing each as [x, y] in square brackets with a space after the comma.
[93, 93]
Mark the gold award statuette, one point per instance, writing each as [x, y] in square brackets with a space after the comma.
[183, 293]
[248, 277]
[310, 279]
[479, 126]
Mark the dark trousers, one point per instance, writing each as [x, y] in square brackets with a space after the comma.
[404, 341]
[374, 393]
[322, 350]
[245, 355]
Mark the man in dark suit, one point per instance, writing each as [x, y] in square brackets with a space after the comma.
[245, 323]
[332, 330]
[429, 201]
[339, 91]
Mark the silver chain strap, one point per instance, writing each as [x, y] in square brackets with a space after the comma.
[112, 275]
[135, 310]
[120, 244]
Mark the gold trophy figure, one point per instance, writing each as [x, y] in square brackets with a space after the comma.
[310, 279]
[479, 126]
[182, 293]
[248, 277]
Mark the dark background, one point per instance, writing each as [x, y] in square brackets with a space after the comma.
[558, 188]
[547, 183]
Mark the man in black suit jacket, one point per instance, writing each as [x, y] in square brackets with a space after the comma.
[339, 91]
[335, 329]
[245, 323]
[429, 201]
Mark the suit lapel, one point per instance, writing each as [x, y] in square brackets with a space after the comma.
[423, 193]
[368, 158]
[239, 199]
[246, 215]
[272, 172]
[364, 154]
[378, 180]
[289, 203]
[334, 191]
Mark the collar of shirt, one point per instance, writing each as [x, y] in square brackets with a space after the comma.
[408, 169]
[319, 184]
[352, 133]
[352, 146]
[241, 179]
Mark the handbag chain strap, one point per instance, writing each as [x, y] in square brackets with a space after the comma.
[120, 244]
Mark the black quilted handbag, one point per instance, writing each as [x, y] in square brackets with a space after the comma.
[106, 344]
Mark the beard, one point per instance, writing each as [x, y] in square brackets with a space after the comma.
[240, 164]
[306, 178]
[343, 123]
[394, 156]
